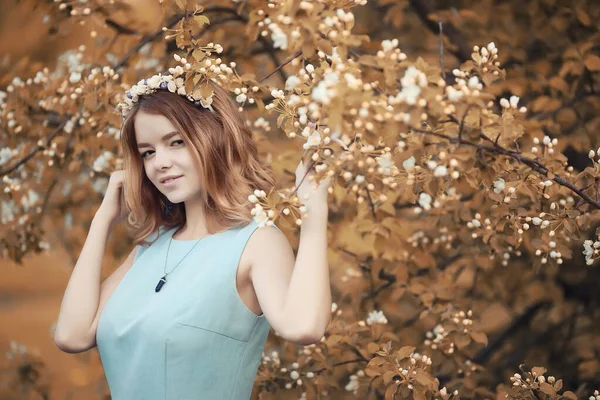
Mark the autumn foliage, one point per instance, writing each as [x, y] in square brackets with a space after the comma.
[462, 141]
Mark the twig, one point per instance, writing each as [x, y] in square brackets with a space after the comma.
[483, 355]
[533, 164]
[145, 39]
[35, 150]
[175, 19]
[121, 30]
[340, 363]
[371, 205]
[424, 8]
[442, 50]
[286, 62]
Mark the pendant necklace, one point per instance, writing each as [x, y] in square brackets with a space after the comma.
[163, 280]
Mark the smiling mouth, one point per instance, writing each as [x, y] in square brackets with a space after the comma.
[170, 180]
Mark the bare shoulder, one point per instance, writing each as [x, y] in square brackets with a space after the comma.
[267, 241]
[267, 236]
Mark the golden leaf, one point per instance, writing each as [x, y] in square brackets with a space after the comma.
[570, 395]
[405, 352]
[548, 389]
[201, 20]
[388, 376]
[479, 337]
[377, 361]
[390, 392]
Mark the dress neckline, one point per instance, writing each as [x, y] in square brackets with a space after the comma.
[172, 231]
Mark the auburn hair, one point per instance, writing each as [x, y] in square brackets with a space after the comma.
[224, 151]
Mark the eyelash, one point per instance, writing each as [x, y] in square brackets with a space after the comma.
[143, 155]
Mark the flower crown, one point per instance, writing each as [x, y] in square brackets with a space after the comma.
[174, 83]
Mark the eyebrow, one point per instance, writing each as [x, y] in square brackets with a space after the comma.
[164, 138]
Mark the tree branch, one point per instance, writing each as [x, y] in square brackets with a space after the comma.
[483, 355]
[289, 60]
[533, 164]
[424, 8]
[35, 150]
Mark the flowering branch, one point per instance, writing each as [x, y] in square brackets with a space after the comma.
[35, 150]
[533, 164]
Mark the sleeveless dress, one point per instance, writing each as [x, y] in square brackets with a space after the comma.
[195, 339]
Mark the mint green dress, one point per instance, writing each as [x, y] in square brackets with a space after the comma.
[195, 339]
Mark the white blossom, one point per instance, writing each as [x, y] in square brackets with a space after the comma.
[440, 170]
[261, 218]
[322, 93]
[68, 128]
[385, 161]
[280, 39]
[474, 83]
[588, 251]
[412, 82]
[9, 210]
[101, 163]
[352, 81]
[453, 94]
[314, 139]
[155, 81]
[409, 163]
[292, 82]
[5, 155]
[376, 317]
[425, 201]
[353, 385]
[30, 199]
[75, 77]
[499, 185]
[389, 45]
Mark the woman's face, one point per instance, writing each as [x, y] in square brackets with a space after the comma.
[164, 154]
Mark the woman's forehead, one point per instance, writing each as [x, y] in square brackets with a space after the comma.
[152, 127]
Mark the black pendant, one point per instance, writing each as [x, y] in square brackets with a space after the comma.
[161, 283]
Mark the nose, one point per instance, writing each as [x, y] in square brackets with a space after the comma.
[162, 160]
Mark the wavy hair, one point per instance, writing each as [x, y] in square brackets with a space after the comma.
[224, 151]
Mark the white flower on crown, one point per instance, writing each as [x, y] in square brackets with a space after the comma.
[154, 82]
[173, 83]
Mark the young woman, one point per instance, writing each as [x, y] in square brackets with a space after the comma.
[187, 314]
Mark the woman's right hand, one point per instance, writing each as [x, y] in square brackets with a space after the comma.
[113, 208]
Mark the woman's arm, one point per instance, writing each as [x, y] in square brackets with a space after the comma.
[295, 295]
[79, 310]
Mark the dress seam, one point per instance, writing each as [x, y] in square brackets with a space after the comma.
[165, 370]
[211, 331]
[237, 372]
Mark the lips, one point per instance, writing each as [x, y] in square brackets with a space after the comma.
[171, 181]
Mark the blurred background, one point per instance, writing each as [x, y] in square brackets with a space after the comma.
[550, 52]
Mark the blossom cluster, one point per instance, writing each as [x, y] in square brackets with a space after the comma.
[376, 317]
[438, 338]
[591, 251]
[285, 29]
[354, 381]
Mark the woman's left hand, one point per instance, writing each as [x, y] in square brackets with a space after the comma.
[317, 197]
